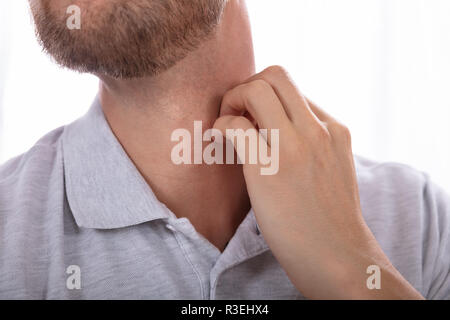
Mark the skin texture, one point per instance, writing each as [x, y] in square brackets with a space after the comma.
[309, 213]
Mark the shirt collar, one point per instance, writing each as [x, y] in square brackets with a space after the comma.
[103, 187]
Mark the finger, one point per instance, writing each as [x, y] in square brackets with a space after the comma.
[293, 101]
[257, 98]
[244, 137]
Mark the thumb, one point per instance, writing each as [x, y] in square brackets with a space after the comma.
[242, 134]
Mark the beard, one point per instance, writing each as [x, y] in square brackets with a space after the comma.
[125, 39]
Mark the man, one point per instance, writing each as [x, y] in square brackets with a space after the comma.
[99, 209]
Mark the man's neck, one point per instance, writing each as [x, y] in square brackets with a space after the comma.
[143, 113]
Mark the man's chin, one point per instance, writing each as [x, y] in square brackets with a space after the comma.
[123, 39]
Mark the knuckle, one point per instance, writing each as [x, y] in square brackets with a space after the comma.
[277, 71]
[259, 85]
[346, 134]
[321, 133]
[256, 88]
[341, 131]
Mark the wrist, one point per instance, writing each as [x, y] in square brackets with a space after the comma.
[369, 275]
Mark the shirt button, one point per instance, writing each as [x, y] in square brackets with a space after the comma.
[170, 227]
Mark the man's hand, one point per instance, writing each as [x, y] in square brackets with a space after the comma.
[309, 212]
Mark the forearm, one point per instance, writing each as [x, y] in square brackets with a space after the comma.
[353, 284]
[325, 267]
[360, 272]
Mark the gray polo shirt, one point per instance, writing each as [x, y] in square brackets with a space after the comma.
[78, 221]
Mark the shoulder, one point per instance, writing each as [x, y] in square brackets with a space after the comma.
[392, 189]
[29, 181]
[31, 216]
[410, 217]
[398, 193]
[36, 163]
[387, 175]
[399, 190]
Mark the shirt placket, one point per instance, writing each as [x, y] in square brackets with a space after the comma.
[199, 253]
[247, 243]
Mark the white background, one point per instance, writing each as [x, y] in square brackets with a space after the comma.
[382, 67]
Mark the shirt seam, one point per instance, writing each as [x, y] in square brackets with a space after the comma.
[183, 250]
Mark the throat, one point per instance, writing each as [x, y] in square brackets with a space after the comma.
[213, 199]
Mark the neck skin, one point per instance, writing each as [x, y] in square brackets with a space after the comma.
[143, 113]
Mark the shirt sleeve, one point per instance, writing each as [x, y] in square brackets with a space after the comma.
[436, 242]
